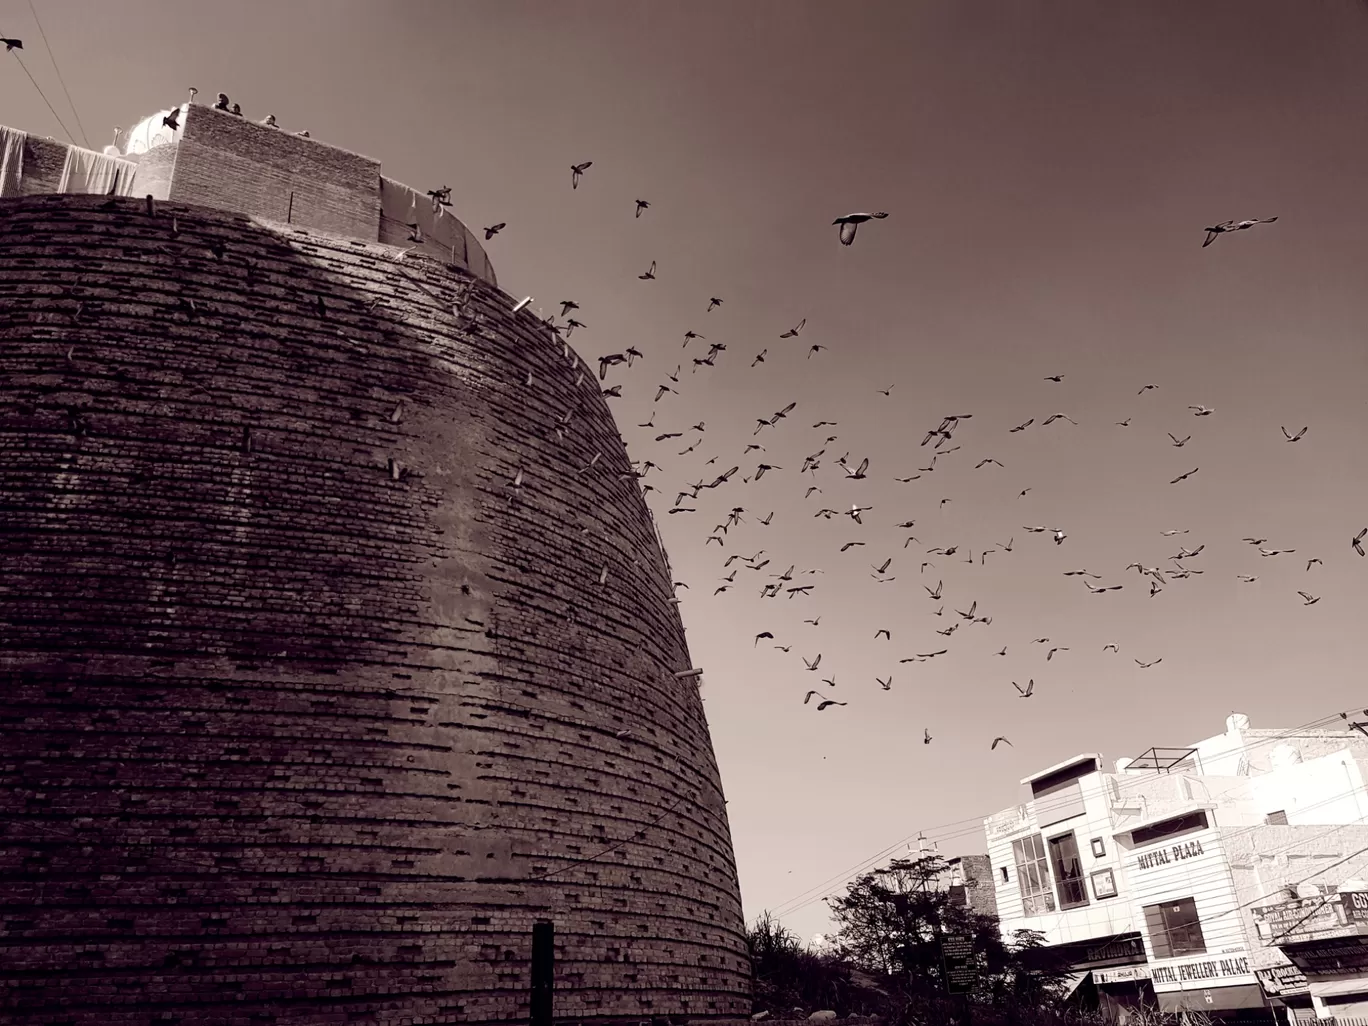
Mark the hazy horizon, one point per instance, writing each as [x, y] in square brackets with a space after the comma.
[1048, 170]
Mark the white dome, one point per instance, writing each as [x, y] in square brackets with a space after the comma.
[150, 132]
[1123, 764]
[1285, 755]
[1236, 722]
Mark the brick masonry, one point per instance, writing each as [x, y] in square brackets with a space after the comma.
[307, 713]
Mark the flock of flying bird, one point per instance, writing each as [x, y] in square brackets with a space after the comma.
[790, 582]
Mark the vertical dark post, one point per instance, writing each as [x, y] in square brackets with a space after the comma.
[289, 213]
[543, 971]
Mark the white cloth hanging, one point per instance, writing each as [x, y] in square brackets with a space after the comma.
[98, 174]
[11, 160]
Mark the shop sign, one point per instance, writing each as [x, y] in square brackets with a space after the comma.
[1220, 970]
[1355, 905]
[1122, 974]
[1282, 981]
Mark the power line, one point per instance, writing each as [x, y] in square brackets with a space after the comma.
[41, 93]
[53, 57]
[806, 898]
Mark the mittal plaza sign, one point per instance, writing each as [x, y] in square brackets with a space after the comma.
[1167, 856]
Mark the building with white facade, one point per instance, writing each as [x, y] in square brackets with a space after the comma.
[1144, 878]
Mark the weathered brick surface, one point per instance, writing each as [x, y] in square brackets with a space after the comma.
[306, 712]
[235, 164]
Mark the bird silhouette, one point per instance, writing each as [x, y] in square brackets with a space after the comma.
[640, 206]
[1232, 226]
[577, 171]
[850, 223]
[494, 230]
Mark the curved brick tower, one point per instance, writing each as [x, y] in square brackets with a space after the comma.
[307, 712]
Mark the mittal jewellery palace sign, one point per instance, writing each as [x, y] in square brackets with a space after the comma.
[1201, 970]
[1166, 856]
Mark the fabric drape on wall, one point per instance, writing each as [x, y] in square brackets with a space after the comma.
[11, 160]
[86, 171]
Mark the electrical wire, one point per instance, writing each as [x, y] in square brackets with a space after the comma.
[26, 71]
[53, 57]
[971, 825]
[1232, 833]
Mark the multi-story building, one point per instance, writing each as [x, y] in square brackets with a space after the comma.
[1144, 878]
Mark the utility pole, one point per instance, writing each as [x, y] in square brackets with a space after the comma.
[543, 972]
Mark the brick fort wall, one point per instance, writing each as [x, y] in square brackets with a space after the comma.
[307, 712]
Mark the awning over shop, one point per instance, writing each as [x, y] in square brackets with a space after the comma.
[1075, 980]
[1212, 999]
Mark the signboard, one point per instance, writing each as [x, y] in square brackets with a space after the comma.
[1167, 856]
[1292, 920]
[1122, 974]
[1355, 905]
[1282, 981]
[1346, 957]
[1123, 948]
[1219, 970]
[1007, 822]
[961, 969]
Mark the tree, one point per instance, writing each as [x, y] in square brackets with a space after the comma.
[788, 974]
[891, 924]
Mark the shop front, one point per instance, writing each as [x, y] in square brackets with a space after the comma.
[1222, 986]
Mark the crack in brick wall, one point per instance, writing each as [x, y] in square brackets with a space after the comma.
[308, 713]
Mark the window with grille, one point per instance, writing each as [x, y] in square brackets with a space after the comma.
[1174, 929]
[1033, 875]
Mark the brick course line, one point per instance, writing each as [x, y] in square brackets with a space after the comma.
[306, 713]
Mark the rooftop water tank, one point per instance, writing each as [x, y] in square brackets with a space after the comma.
[1236, 722]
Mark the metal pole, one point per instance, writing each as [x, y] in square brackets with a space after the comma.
[543, 972]
[290, 212]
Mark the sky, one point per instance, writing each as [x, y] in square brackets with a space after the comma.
[1048, 170]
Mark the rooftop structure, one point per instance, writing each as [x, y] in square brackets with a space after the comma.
[325, 675]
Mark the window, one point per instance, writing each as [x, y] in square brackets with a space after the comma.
[1099, 850]
[1033, 875]
[1003, 871]
[1174, 929]
[1278, 818]
[1068, 871]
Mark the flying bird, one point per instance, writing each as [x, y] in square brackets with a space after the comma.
[712, 302]
[1233, 226]
[1001, 741]
[642, 205]
[576, 170]
[494, 230]
[1028, 690]
[850, 223]
[1357, 541]
[814, 349]
[12, 44]
[1179, 442]
[793, 332]
[649, 275]
[1146, 666]
[1054, 377]
[1293, 438]
[1310, 600]
[1184, 477]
